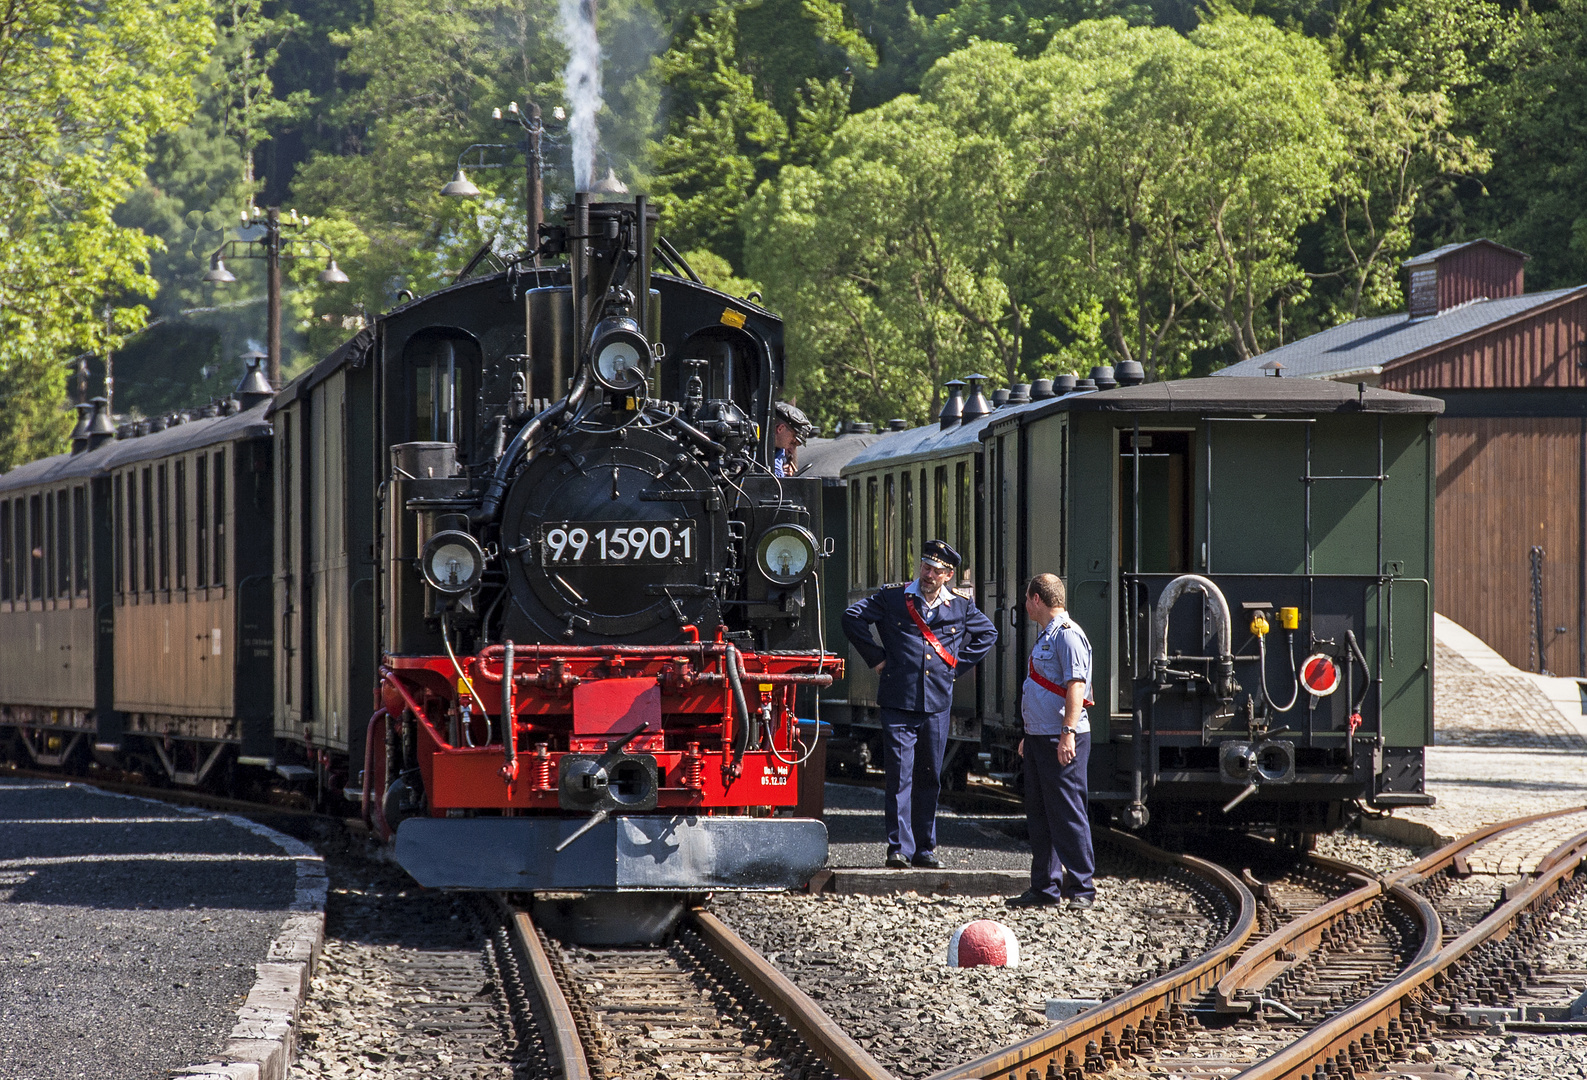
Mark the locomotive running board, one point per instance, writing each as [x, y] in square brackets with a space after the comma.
[638, 854]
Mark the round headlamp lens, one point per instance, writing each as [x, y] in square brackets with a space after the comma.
[786, 554]
[452, 562]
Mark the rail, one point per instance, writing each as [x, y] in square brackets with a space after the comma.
[561, 1027]
[1067, 1047]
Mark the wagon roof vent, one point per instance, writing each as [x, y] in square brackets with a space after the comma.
[80, 432]
[976, 406]
[952, 409]
[253, 388]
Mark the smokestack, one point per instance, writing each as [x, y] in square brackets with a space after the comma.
[80, 432]
[100, 428]
[898, 423]
[1129, 373]
[1041, 390]
[999, 398]
[1019, 394]
[252, 389]
[1102, 375]
[1063, 384]
[976, 405]
[953, 410]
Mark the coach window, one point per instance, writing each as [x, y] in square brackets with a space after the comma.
[80, 538]
[162, 525]
[50, 558]
[201, 519]
[961, 508]
[147, 521]
[218, 518]
[7, 552]
[856, 526]
[180, 538]
[36, 547]
[925, 502]
[909, 521]
[63, 544]
[874, 527]
[890, 526]
[119, 515]
[939, 507]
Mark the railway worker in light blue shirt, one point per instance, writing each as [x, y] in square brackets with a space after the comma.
[1057, 751]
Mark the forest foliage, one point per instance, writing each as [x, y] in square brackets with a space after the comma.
[1011, 187]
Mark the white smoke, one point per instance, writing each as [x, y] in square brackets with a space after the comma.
[582, 77]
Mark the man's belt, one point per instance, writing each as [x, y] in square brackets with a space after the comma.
[931, 639]
[1047, 684]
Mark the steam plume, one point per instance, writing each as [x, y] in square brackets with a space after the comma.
[582, 76]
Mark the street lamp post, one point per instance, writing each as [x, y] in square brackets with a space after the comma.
[534, 167]
[273, 247]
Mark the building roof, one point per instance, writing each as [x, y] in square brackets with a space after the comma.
[1367, 346]
[1428, 258]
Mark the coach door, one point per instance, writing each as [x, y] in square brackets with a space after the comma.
[1007, 555]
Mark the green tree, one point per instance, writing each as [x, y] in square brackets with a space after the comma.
[82, 93]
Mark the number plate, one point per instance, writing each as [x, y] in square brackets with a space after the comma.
[578, 543]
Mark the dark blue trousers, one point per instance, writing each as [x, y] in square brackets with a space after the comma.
[1061, 857]
[915, 744]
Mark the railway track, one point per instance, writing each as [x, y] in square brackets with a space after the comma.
[1342, 985]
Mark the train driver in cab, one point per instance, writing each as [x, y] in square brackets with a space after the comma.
[789, 431]
[930, 635]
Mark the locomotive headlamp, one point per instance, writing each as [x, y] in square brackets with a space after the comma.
[621, 354]
[452, 561]
[786, 554]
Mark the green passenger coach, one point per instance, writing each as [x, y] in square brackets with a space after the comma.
[1251, 559]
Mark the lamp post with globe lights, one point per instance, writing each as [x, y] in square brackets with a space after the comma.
[265, 240]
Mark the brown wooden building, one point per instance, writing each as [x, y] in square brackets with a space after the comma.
[1511, 368]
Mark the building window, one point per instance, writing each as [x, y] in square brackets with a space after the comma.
[80, 537]
[201, 518]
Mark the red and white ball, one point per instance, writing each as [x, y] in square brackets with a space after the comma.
[983, 942]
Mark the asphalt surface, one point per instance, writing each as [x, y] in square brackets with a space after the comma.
[129, 930]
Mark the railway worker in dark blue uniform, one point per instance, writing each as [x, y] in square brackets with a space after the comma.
[790, 428]
[1057, 749]
[931, 635]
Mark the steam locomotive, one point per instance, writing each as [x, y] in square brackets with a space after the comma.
[532, 515]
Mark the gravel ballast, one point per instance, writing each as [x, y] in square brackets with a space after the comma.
[878, 964]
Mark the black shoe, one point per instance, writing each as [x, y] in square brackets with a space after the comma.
[1030, 898]
[896, 861]
[1082, 903]
[927, 860]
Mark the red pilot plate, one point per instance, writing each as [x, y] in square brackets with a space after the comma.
[1320, 675]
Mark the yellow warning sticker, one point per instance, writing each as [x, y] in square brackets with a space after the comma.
[733, 318]
[765, 687]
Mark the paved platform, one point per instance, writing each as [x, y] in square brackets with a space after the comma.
[134, 930]
[1508, 743]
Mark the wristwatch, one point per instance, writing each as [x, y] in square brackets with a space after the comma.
[1066, 730]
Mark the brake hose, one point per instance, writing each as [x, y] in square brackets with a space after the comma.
[1261, 648]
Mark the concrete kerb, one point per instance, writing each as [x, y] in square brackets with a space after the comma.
[263, 1042]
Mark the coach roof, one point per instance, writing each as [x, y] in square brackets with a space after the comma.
[189, 435]
[1243, 395]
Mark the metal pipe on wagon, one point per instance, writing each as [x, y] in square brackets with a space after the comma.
[509, 737]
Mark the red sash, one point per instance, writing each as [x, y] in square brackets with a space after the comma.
[1048, 685]
[931, 639]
